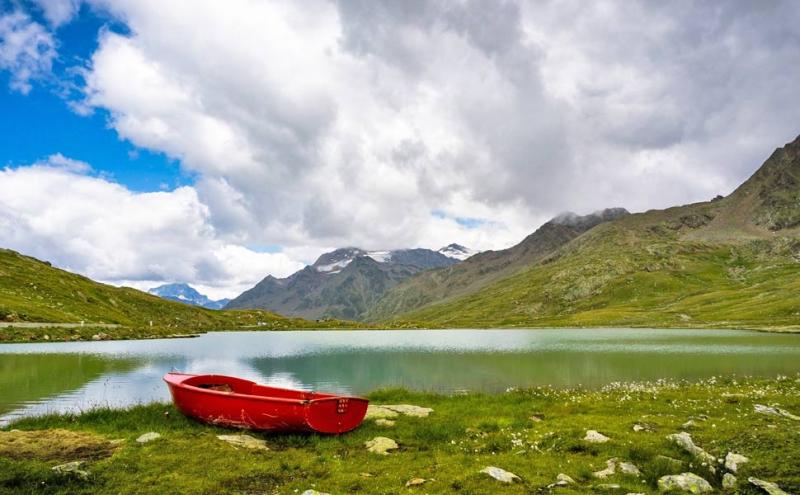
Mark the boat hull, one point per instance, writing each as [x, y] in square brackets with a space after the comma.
[234, 402]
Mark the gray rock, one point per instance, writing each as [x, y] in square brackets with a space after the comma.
[314, 492]
[767, 486]
[389, 411]
[728, 482]
[415, 482]
[687, 482]
[384, 422]
[732, 461]
[500, 474]
[684, 440]
[148, 437]
[775, 411]
[593, 436]
[628, 468]
[611, 468]
[607, 487]
[381, 445]
[245, 441]
[71, 468]
[565, 479]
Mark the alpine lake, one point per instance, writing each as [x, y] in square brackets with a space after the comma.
[78, 376]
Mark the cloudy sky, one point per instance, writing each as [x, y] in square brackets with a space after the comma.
[209, 142]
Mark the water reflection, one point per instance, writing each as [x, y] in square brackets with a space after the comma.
[37, 378]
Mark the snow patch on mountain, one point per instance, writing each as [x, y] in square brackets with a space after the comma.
[457, 251]
[186, 294]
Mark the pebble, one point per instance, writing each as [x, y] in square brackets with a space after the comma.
[593, 436]
[500, 474]
[381, 445]
[245, 441]
[148, 437]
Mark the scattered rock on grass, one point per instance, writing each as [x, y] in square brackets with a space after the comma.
[628, 468]
[728, 482]
[148, 437]
[415, 482]
[536, 419]
[72, 468]
[388, 411]
[563, 478]
[767, 486]
[245, 441]
[500, 474]
[314, 492]
[733, 461]
[684, 440]
[593, 436]
[381, 445]
[607, 487]
[611, 468]
[775, 411]
[384, 422]
[687, 482]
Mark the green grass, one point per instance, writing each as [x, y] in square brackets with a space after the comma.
[33, 291]
[621, 274]
[464, 434]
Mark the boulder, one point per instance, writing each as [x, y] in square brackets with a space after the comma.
[381, 445]
[767, 486]
[593, 436]
[148, 437]
[687, 482]
[500, 474]
[732, 461]
[244, 441]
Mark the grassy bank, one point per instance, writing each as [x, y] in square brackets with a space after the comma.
[536, 434]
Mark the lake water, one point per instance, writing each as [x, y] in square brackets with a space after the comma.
[72, 376]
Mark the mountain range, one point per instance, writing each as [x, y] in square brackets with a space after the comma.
[344, 283]
[730, 262]
[184, 293]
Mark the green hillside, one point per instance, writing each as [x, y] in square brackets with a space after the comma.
[33, 291]
[733, 262]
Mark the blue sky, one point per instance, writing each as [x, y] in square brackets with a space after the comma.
[41, 123]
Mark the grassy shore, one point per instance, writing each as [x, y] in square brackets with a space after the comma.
[536, 434]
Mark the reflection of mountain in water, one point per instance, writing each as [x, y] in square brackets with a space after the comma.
[361, 372]
[26, 378]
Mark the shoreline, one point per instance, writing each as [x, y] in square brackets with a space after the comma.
[97, 332]
[536, 434]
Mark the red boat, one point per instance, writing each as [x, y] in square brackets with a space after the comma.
[229, 401]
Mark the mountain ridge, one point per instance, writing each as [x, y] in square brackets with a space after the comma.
[185, 293]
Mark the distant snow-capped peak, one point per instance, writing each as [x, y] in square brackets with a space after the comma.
[457, 251]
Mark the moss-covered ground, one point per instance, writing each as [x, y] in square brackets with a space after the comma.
[535, 434]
